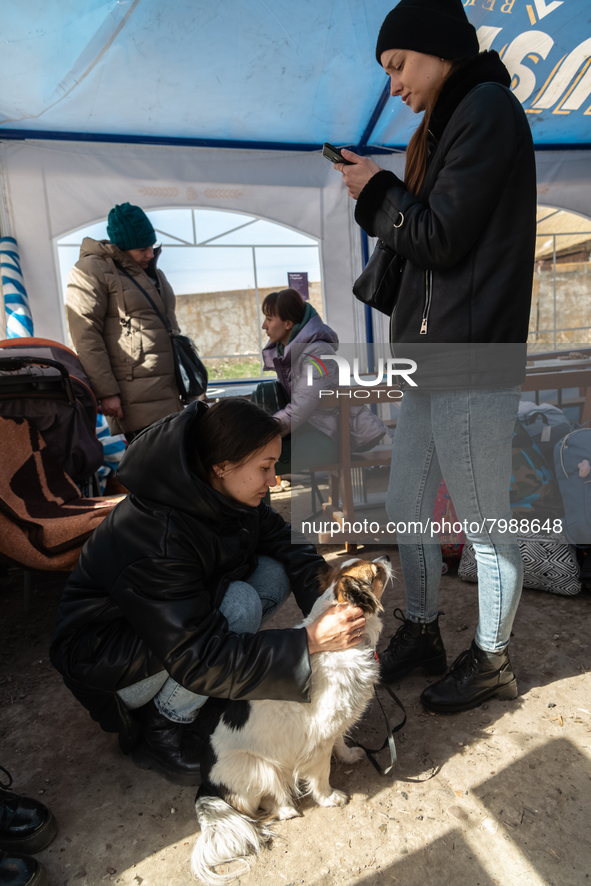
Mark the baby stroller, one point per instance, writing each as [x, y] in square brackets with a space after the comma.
[43, 382]
[50, 455]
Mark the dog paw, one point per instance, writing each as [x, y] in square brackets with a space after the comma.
[337, 798]
[286, 812]
[351, 755]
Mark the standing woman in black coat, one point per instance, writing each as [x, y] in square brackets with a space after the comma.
[164, 607]
[464, 223]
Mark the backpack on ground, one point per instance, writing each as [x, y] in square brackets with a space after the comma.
[572, 461]
[546, 425]
[534, 492]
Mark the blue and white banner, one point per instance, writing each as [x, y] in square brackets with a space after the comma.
[114, 449]
[19, 321]
[546, 46]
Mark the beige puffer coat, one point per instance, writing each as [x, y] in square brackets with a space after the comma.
[122, 345]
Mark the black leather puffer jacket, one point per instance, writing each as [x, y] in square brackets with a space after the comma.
[468, 237]
[146, 591]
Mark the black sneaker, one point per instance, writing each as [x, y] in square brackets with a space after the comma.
[26, 825]
[21, 870]
[161, 748]
[474, 677]
[412, 646]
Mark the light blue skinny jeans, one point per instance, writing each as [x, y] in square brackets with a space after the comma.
[247, 605]
[466, 437]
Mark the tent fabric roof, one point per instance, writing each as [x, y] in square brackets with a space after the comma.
[249, 71]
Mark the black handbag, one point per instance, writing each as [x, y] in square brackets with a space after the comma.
[379, 282]
[189, 370]
[271, 395]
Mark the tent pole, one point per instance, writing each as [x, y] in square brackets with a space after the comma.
[369, 330]
[373, 120]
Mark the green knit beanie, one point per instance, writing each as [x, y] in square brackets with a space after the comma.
[128, 227]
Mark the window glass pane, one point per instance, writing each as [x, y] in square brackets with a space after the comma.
[542, 309]
[97, 231]
[163, 239]
[176, 222]
[211, 222]
[560, 317]
[68, 256]
[573, 287]
[206, 269]
[267, 234]
[216, 304]
[274, 264]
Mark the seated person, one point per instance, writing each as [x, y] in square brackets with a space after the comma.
[164, 606]
[289, 320]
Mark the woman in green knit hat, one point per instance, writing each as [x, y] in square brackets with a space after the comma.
[120, 340]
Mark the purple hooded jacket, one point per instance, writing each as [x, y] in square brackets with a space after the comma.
[366, 428]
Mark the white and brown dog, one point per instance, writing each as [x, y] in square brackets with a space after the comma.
[263, 755]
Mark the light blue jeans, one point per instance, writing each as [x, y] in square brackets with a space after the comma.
[466, 437]
[247, 605]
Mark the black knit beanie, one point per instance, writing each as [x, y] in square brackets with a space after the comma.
[434, 27]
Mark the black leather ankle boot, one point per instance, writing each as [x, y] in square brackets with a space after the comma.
[474, 676]
[17, 869]
[26, 825]
[412, 646]
[161, 748]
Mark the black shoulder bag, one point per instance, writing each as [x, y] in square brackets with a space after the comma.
[379, 282]
[189, 370]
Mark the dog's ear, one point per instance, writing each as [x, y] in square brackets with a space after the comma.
[383, 574]
[357, 591]
[326, 575]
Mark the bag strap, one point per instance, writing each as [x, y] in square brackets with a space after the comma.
[389, 740]
[164, 320]
[123, 316]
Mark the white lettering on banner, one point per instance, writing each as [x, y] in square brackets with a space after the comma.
[530, 43]
[565, 74]
[506, 7]
[486, 35]
[543, 9]
[581, 92]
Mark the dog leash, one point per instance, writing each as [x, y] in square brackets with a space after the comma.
[389, 740]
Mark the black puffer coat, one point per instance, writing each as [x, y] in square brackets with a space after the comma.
[468, 236]
[146, 592]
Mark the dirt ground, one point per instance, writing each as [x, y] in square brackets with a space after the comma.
[510, 803]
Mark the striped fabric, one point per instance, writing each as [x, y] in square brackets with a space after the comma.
[114, 448]
[19, 321]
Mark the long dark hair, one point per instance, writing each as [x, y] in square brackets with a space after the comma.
[230, 431]
[417, 152]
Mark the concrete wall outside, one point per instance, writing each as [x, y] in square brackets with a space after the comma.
[228, 322]
[573, 300]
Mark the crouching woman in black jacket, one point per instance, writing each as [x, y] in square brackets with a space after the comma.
[164, 606]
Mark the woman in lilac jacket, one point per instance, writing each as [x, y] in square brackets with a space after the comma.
[297, 333]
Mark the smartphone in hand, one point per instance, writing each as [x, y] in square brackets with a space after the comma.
[334, 155]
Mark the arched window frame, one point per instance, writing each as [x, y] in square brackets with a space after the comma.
[62, 241]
